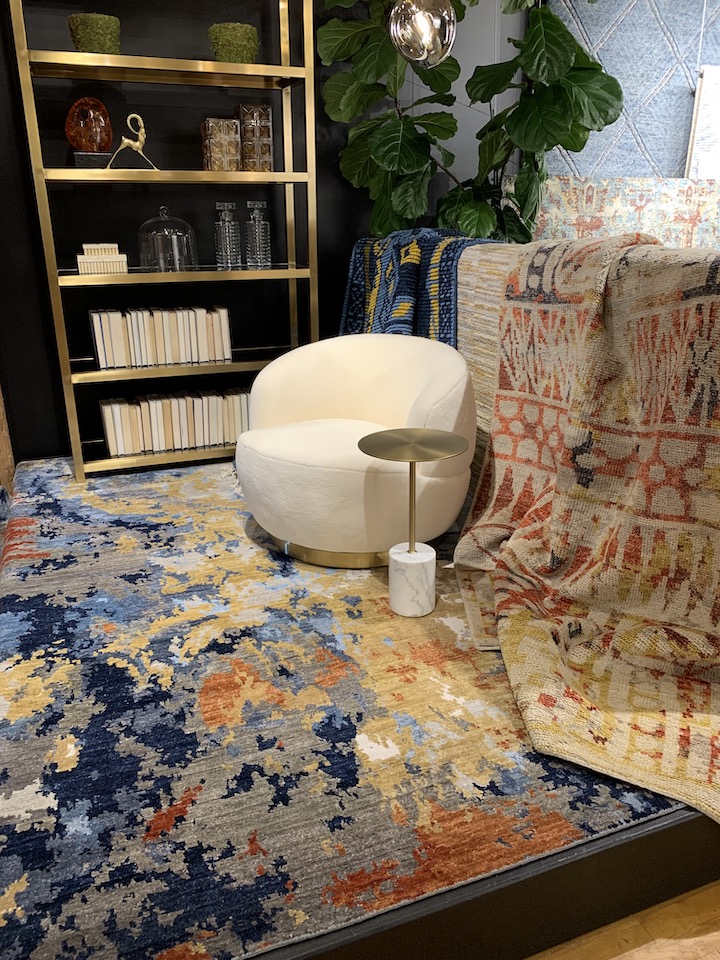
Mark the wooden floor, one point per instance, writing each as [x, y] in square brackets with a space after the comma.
[686, 928]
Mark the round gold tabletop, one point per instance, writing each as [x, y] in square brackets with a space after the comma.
[413, 444]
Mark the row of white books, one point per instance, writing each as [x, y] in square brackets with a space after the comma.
[158, 423]
[158, 337]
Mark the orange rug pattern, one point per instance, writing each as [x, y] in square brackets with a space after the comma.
[596, 529]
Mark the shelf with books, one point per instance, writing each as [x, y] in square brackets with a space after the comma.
[82, 204]
[155, 424]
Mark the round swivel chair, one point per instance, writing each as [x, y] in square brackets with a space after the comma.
[303, 477]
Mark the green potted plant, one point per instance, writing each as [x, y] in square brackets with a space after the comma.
[95, 32]
[395, 150]
[234, 42]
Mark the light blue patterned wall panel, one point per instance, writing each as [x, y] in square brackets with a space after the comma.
[652, 47]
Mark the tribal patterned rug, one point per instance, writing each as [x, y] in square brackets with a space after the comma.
[209, 750]
[598, 517]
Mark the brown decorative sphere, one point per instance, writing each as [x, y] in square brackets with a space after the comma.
[88, 127]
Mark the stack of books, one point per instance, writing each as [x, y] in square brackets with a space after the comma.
[157, 337]
[158, 423]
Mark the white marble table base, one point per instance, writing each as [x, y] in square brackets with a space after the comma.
[411, 578]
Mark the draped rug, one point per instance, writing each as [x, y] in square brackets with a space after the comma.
[208, 750]
[405, 283]
[594, 540]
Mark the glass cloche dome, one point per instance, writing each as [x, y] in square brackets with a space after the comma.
[167, 244]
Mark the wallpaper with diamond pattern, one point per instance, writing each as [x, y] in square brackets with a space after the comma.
[652, 47]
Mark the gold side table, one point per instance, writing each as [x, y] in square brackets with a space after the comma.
[411, 566]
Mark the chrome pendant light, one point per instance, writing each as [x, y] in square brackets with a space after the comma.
[423, 31]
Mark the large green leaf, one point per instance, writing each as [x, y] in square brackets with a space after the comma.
[361, 130]
[510, 227]
[596, 98]
[494, 151]
[541, 120]
[459, 8]
[375, 58]
[446, 158]
[476, 218]
[377, 184]
[440, 125]
[441, 77]
[346, 98]
[378, 13]
[396, 75]
[360, 97]
[583, 59]
[446, 99]
[449, 205]
[494, 123]
[528, 188]
[329, 4]
[577, 138]
[410, 197]
[399, 147]
[548, 49]
[356, 164]
[340, 39]
[491, 79]
[384, 218]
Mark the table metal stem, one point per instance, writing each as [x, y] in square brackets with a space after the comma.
[411, 535]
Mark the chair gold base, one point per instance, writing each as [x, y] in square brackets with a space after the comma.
[332, 558]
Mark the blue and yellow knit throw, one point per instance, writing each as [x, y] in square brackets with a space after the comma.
[405, 283]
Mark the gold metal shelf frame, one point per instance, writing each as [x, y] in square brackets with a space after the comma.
[76, 175]
[94, 66]
[181, 276]
[115, 374]
[159, 459]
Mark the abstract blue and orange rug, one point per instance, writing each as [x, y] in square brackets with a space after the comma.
[209, 750]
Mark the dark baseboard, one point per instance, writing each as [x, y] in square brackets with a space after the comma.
[534, 906]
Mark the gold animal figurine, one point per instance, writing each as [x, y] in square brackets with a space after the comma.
[136, 145]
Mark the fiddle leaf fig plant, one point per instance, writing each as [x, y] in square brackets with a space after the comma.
[395, 149]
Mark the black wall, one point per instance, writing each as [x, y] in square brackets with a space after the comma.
[29, 369]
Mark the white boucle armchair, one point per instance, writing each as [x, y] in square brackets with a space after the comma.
[302, 475]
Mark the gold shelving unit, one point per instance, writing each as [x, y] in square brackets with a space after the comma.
[35, 65]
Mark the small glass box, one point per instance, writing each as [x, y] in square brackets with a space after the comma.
[256, 135]
[222, 148]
